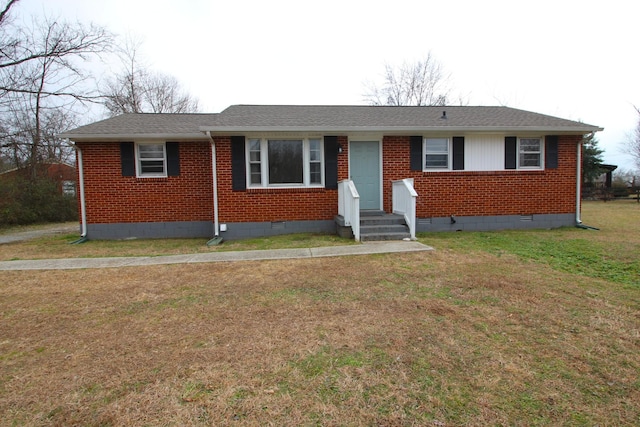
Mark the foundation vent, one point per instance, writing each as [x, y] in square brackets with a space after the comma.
[278, 225]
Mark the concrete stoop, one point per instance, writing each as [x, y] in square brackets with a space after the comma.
[377, 226]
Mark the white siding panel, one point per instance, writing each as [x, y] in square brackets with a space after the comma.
[484, 153]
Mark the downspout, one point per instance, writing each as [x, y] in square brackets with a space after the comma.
[579, 183]
[83, 206]
[216, 225]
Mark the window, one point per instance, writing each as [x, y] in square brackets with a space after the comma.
[284, 162]
[152, 160]
[436, 153]
[315, 162]
[529, 153]
[255, 174]
[69, 188]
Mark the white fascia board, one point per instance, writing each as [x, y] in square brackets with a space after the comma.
[229, 130]
[133, 137]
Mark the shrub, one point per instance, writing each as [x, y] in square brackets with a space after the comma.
[28, 201]
[620, 191]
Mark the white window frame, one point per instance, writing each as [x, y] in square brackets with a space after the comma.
[264, 163]
[69, 188]
[139, 160]
[540, 153]
[448, 154]
[250, 162]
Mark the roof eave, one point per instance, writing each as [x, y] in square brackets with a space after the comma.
[572, 130]
[83, 137]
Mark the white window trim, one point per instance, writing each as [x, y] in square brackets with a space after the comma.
[541, 166]
[69, 188]
[449, 154]
[264, 163]
[139, 173]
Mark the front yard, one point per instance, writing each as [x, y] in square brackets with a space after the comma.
[509, 328]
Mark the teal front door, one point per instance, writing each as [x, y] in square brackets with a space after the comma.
[364, 170]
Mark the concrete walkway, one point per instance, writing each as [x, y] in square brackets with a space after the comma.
[44, 231]
[117, 262]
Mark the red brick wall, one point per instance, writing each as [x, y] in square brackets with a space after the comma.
[270, 204]
[485, 193]
[112, 198]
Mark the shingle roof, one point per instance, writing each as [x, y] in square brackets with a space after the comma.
[256, 118]
[179, 126]
[384, 117]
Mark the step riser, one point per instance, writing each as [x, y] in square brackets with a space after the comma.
[371, 222]
[383, 229]
[364, 214]
[381, 237]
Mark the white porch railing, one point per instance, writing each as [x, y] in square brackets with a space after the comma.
[349, 206]
[404, 202]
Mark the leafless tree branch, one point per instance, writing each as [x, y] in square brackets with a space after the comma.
[138, 90]
[633, 144]
[423, 82]
[41, 82]
[6, 10]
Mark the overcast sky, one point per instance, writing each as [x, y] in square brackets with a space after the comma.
[575, 59]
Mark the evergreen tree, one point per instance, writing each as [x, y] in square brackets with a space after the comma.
[591, 159]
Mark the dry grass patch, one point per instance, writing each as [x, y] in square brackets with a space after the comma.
[467, 335]
[58, 246]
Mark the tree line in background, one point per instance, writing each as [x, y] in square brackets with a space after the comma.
[47, 84]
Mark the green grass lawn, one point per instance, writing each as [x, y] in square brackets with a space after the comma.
[59, 246]
[518, 328]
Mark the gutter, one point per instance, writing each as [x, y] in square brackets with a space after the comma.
[116, 137]
[556, 130]
[216, 225]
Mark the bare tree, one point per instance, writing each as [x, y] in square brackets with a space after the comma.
[626, 178]
[50, 45]
[633, 145]
[42, 82]
[138, 90]
[423, 82]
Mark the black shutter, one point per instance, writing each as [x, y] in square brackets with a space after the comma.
[510, 152]
[128, 158]
[551, 152]
[417, 161]
[331, 162]
[173, 159]
[458, 152]
[238, 164]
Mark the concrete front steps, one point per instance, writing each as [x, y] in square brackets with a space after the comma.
[377, 226]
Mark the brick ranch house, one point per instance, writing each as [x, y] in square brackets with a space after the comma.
[263, 170]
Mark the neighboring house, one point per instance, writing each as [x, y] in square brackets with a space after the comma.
[63, 174]
[601, 187]
[606, 179]
[264, 170]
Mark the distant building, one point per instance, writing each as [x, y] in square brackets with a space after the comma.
[63, 174]
[606, 178]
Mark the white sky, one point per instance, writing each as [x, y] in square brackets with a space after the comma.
[575, 59]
